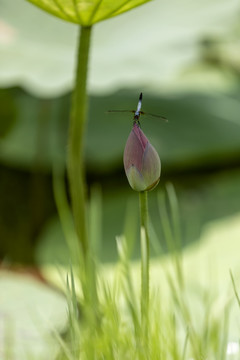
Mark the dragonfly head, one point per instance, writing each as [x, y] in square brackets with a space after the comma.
[136, 119]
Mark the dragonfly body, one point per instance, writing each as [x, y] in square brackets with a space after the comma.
[138, 112]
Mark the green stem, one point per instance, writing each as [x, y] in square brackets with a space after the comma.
[143, 200]
[76, 171]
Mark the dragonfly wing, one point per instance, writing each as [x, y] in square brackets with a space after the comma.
[115, 111]
[154, 115]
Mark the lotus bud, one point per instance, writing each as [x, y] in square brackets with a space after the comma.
[141, 161]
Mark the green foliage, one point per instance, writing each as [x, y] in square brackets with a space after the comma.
[8, 112]
[184, 322]
[85, 12]
[37, 129]
[183, 143]
[143, 49]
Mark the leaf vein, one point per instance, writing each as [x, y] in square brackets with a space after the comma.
[62, 10]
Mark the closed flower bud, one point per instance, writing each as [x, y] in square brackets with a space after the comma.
[141, 161]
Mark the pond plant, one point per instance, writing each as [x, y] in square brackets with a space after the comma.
[105, 321]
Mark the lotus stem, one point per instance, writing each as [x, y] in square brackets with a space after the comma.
[145, 250]
[78, 116]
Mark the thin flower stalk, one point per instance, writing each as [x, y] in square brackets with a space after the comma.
[145, 252]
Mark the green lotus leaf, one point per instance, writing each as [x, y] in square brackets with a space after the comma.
[30, 311]
[87, 12]
[143, 49]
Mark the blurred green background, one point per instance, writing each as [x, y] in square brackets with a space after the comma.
[184, 57]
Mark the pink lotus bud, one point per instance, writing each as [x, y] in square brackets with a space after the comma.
[141, 161]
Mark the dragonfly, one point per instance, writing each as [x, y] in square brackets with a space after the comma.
[139, 112]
